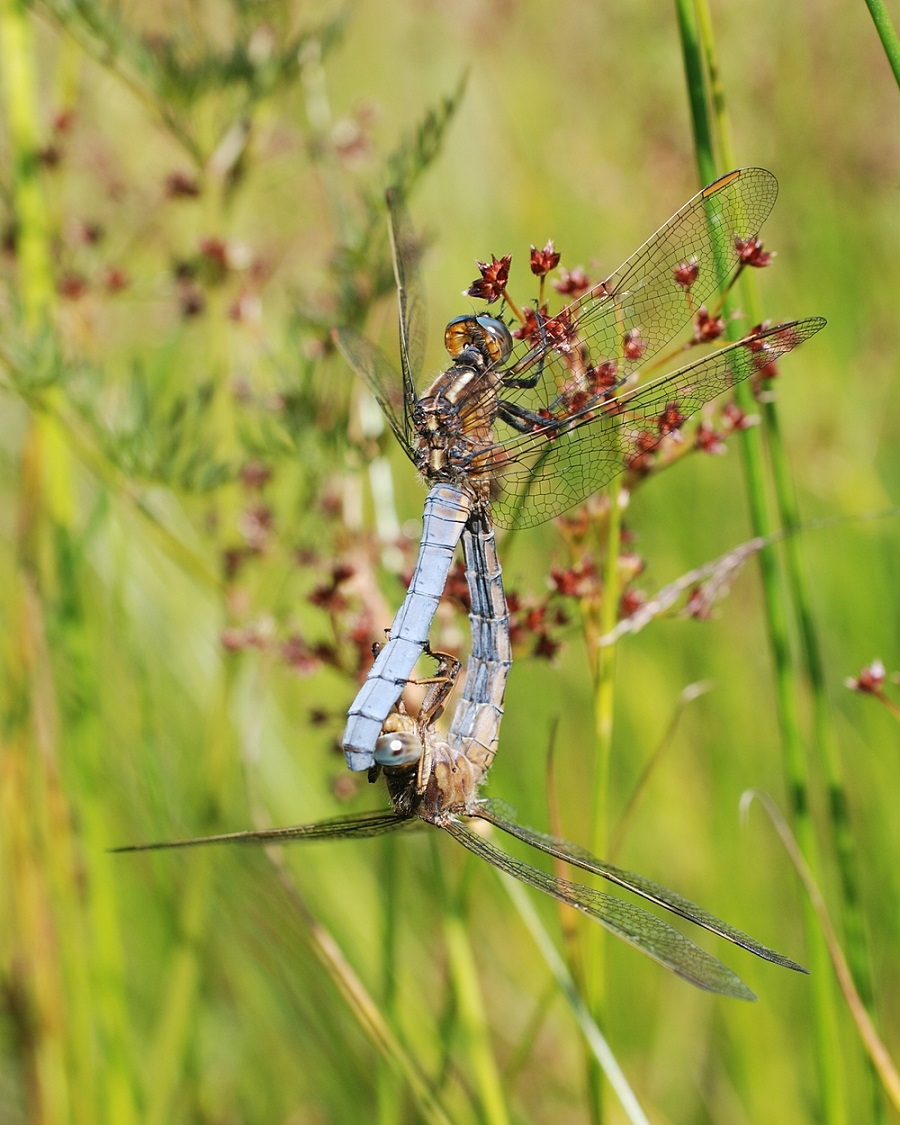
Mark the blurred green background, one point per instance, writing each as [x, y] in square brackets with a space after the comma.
[190, 199]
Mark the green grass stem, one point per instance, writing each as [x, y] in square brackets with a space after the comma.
[887, 33]
[701, 60]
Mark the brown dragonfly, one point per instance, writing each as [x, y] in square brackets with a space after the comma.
[437, 785]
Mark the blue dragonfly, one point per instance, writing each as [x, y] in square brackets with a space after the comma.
[515, 432]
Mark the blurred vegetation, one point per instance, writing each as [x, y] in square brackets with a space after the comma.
[203, 525]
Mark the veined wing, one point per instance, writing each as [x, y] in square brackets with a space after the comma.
[383, 380]
[646, 932]
[340, 827]
[547, 471]
[495, 813]
[406, 251]
[394, 391]
[642, 302]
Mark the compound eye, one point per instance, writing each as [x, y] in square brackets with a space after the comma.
[497, 338]
[400, 748]
[489, 335]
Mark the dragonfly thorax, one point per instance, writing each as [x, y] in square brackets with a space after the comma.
[454, 419]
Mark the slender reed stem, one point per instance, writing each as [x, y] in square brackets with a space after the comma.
[887, 33]
[471, 1010]
[596, 1043]
[698, 46]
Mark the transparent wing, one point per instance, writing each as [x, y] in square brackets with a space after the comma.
[340, 827]
[406, 250]
[394, 390]
[573, 453]
[646, 932]
[381, 377]
[496, 813]
[642, 301]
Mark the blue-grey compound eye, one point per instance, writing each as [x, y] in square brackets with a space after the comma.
[400, 748]
[485, 332]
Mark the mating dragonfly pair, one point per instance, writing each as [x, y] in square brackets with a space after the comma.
[574, 418]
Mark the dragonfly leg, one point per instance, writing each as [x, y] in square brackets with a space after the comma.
[527, 421]
[528, 382]
[377, 646]
[441, 685]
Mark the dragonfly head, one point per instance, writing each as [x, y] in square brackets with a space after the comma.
[490, 336]
[398, 748]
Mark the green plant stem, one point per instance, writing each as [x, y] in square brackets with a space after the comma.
[596, 1043]
[172, 1043]
[46, 956]
[887, 33]
[597, 624]
[361, 1004]
[878, 1054]
[32, 236]
[388, 1090]
[471, 1010]
[787, 680]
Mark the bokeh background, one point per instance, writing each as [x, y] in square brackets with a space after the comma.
[190, 199]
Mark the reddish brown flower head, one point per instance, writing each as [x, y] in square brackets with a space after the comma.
[215, 250]
[491, 285]
[551, 429]
[786, 337]
[870, 680]
[457, 589]
[753, 344]
[708, 440]
[360, 638]
[543, 261]
[531, 329]
[328, 596]
[686, 273]
[640, 459]
[631, 564]
[561, 331]
[751, 253]
[88, 231]
[179, 185]
[603, 377]
[62, 120]
[646, 442]
[536, 618]
[706, 327]
[297, 655]
[255, 474]
[698, 605]
[115, 279]
[255, 524]
[546, 647]
[572, 284]
[762, 352]
[671, 419]
[540, 329]
[575, 581]
[735, 418]
[630, 602]
[72, 286]
[50, 155]
[633, 347]
[578, 401]
[232, 639]
[233, 558]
